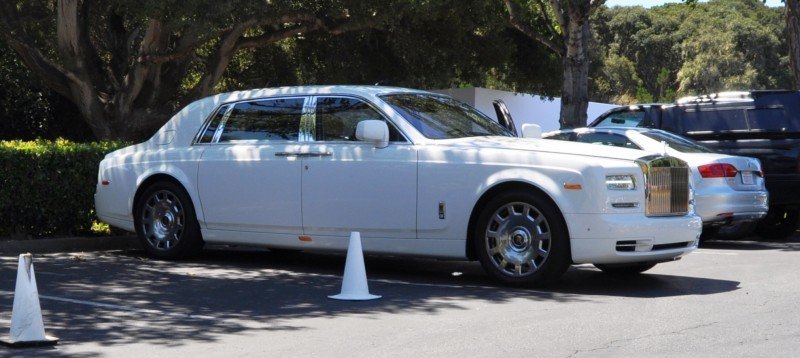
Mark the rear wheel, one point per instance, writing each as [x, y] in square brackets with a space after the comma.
[521, 239]
[166, 222]
[709, 232]
[625, 269]
[779, 224]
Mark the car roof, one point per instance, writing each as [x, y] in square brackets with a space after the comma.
[362, 90]
[621, 130]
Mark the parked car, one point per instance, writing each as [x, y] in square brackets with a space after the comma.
[759, 124]
[416, 173]
[728, 189]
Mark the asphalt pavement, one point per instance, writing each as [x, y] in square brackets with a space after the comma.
[729, 298]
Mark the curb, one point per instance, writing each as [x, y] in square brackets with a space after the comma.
[68, 244]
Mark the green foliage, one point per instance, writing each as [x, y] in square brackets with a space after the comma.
[430, 45]
[47, 187]
[680, 50]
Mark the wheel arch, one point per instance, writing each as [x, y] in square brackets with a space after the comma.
[507, 186]
[147, 180]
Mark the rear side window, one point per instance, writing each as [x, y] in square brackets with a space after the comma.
[337, 117]
[622, 119]
[769, 119]
[264, 120]
[681, 144]
[615, 140]
[208, 133]
[719, 120]
[562, 136]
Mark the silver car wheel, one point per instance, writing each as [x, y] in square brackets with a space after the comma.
[162, 220]
[518, 239]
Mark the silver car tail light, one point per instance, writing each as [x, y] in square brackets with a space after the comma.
[667, 187]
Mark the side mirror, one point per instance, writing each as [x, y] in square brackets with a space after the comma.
[531, 131]
[374, 131]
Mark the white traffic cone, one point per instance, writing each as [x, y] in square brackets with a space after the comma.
[27, 327]
[354, 283]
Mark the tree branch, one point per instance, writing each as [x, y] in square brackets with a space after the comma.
[548, 23]
[52, 74]
[558, 10]
[517, 22]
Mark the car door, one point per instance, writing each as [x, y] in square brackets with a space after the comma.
[349, 185]
[248, 179]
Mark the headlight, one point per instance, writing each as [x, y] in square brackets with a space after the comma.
[620, 182]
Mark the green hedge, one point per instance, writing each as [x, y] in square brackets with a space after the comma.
[47, 187]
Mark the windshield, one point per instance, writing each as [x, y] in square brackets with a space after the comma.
[622, 119]
[676, 142]
[440, 117]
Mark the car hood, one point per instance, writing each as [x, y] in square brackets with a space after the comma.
[546, 145]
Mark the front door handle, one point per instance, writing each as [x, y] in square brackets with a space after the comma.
[303, 154]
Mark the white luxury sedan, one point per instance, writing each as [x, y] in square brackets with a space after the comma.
[416, 173]
[728, 189]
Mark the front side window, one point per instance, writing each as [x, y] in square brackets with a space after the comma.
[337, 117]
[440, 117]
[264, 120]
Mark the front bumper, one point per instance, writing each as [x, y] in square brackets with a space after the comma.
[629, 238]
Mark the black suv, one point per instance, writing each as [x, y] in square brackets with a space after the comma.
[760, 124]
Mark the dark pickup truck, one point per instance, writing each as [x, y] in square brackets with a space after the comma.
[760, 124]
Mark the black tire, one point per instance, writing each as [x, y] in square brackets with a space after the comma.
[525, 265]
[625, 269]
[175, 232]
[779, 224]
[736, 230]
[709, 232]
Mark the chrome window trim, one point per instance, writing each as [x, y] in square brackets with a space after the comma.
[207, 123]
[369, 103]
[221, 125]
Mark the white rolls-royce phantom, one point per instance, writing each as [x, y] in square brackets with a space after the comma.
[416, 173]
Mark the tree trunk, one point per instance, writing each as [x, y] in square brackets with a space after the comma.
[793, 27]
[575, 89]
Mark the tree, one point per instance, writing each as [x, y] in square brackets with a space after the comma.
[707, 47]
[128, 66]
[29, 110]
[562, 26]
[793, 28]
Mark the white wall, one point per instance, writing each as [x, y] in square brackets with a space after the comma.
[524, 108]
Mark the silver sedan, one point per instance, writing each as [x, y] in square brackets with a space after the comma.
[728, 189]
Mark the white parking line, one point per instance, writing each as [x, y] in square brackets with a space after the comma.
[144, 311]
[708, 252]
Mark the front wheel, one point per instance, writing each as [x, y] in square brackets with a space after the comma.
[779, 223]
[521, 239]
[166, 222]
[625, 269]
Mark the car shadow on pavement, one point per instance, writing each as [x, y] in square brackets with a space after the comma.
[755, 243]
[122, 297]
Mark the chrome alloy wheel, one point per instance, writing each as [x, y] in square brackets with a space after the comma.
[518, 239]
[163, 220]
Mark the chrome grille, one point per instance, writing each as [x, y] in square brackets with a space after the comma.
[667, 186]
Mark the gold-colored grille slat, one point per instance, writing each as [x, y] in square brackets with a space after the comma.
[667, 190]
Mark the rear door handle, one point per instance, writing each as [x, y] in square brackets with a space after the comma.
[303, 154]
